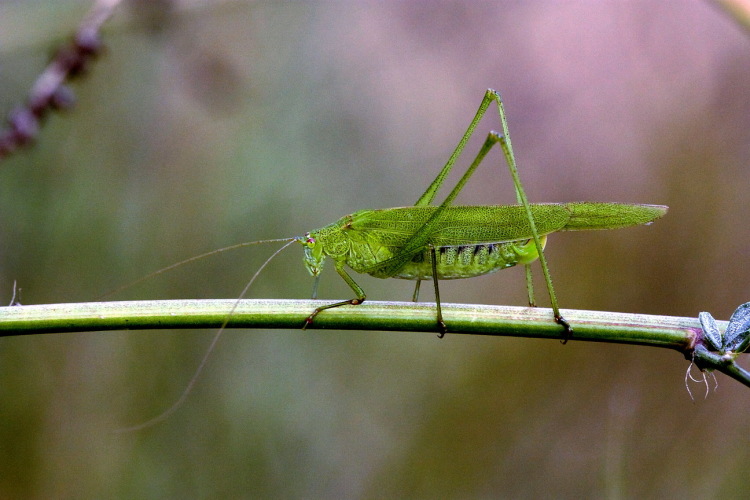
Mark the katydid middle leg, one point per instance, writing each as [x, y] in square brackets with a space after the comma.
[442, 328]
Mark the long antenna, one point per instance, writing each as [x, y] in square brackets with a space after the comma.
[188, 389]
[191, 259]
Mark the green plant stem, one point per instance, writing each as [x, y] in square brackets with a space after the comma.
[662, 331]
[671, 332]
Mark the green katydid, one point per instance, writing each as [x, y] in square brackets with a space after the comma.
[445, 241]
[451, 242]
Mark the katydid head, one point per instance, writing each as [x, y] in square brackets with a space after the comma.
[314, 255]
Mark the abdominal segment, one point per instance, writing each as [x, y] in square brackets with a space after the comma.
[466, 261]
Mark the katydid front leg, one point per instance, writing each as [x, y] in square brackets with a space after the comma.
[352, 284]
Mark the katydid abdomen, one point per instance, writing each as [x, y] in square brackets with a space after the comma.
[468, 261]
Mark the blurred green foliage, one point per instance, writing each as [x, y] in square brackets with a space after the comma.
[222, 122]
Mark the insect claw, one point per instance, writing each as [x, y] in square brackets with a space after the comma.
[309, 319]
[442, 329]
[354, 302]
[568, 333]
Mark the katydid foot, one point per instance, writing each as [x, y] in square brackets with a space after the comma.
[568, 332]
[309, 319]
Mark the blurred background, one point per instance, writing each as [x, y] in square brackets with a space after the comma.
[207, 123]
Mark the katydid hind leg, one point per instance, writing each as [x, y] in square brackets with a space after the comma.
[510, 159]
[418, 241]
[429, 195]
[507, 147]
